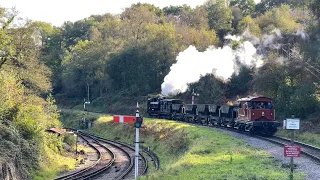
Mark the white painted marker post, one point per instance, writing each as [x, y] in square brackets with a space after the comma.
[137, 146]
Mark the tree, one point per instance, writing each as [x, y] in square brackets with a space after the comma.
[315, 8]
[85, 65]
[240, 83]
[6, 48]
[74, 32]
[247, 23]
[201, 39]
[140, 69]
[266, 5]
[237, 16]
[152, 8]
[135, 21]
[268, 79]
[52, 51]
[280, 18]
[176, 10]
[246, 6]
[219, 16]
[211, 90]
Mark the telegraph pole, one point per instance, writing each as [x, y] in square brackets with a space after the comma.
[137, 144]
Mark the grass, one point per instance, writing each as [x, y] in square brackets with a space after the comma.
[302, 136]
[190, 152]
[53, 166]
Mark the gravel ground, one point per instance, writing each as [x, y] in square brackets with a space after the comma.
[310, 167]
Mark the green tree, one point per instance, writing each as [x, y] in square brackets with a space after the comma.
[6, 47]
[135, 21]
[269, 78]
[20, 51]
[152, 8]
[246, 6]
[280, 18]
[247, 23]
[210, 89]
[52, 51]
[315, 8]
[237, 16]
[74, 32]
[176, 10]
[219, 16]
[240, 83]
[266, 5]
[140, 69]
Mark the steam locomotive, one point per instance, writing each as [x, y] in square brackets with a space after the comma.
[252, 114]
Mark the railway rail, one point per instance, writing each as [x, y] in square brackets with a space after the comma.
[123, 163]
[119, 164]
[105, 160]
[310, 151]
[143, 162]
[306, 149]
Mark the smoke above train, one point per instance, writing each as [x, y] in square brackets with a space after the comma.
[222, 62]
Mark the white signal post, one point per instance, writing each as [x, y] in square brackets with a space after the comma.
[137, 145]
[193, 94]
[84, 105]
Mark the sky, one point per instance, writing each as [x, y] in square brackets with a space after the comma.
[58, 11]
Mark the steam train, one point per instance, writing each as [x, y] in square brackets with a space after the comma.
[252, 114]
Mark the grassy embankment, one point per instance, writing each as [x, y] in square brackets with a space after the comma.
[55, 164]
[309, 131]
[190, 152]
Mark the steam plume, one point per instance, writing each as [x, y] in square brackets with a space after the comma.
[222, 62]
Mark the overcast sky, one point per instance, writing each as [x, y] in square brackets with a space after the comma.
[59, 11]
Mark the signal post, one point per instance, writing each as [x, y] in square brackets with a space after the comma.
[137, 120]
[136, 173]
[137, 124]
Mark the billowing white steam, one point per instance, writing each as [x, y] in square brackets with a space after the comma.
[303, 34]
[222, 62]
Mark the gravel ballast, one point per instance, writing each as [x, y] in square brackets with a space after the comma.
[303, 164]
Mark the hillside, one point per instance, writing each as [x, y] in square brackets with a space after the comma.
[190, 152]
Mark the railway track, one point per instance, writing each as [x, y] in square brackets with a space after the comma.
[306, 149]
[143, 161]
[104, 161]
[310, 151]
[114, 160]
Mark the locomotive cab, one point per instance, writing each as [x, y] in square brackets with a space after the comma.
[256, 114]
[153, 107]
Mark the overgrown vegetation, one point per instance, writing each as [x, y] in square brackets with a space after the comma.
[27, 151]
[189, 152]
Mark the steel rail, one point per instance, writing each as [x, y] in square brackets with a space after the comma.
[308, 150]
[83, 174]
[129, 167]
[69, 176]
[128, 146]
